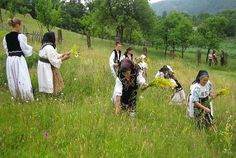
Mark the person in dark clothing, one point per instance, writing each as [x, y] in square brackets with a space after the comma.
[127, 83]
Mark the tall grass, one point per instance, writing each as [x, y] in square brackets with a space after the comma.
[81, 121]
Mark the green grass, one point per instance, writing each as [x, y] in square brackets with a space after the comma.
[81, 122]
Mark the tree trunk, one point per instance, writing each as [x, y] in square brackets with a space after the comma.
[199, 56]
[182, 52]
[145, 51]
[208, 52]
[1, 16]
[226, 59]
[173, 53]
[88, 39]
[119, 32]
[166, 49]
[166, 44]
[130, 36]
[59, 36]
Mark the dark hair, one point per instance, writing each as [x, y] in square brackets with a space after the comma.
[49, 38]
[127, 65]
[164, 69]
[200, 74]
[127, 50]
[118, 42]
[13, 22]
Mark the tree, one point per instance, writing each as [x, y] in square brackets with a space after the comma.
[72, 12]
[120, 15]
[48, 13]
[87, 23]
[184, 31]
[230, 15]
[212, 29]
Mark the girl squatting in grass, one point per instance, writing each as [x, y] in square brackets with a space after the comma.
[199, 105]
[17, 49]
[178, 96]
[127, 83]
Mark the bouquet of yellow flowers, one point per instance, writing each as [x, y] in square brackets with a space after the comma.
[223, 91]
[75, 50]
[161, 83]
[220, 92]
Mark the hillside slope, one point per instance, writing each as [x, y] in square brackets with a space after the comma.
[81, 121]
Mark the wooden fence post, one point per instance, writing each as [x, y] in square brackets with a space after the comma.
[59, 36]
[199, 55]
[145, 51]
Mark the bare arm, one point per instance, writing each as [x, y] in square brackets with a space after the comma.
[196, 103]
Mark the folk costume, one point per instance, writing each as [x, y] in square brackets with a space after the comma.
[18, 77]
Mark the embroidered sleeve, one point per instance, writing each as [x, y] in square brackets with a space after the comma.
[53, 56]
[111, 63]
[196, 94]
[27, 49]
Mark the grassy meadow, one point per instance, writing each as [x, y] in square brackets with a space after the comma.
[81, 121]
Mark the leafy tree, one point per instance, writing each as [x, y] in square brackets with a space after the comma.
[121, 15]
[48, 13]
[184, 31]
[212, 29]
[230, 15]
[72, 12]
[175, 30]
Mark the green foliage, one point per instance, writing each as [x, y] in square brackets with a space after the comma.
[71, 13]
[230, 15]
[212, 29]
[48, 13]
[175, 31]
[122, 15]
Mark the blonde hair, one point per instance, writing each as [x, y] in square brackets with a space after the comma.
[13, 22]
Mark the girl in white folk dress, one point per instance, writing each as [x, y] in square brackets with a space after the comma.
[17, 49]
[49, 77]
[178, 96]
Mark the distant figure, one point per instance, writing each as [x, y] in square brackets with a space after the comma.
[142, 63]
[210, 59]
[17, 49]
[115, 58]
[214, 57]
[49, 77]
[178, 96]
[222, 58]
[128, 54]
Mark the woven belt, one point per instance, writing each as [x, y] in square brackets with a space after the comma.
[44, 60]
[16, 53]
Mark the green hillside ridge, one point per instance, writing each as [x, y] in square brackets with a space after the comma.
[193, 7]
[81, 121]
